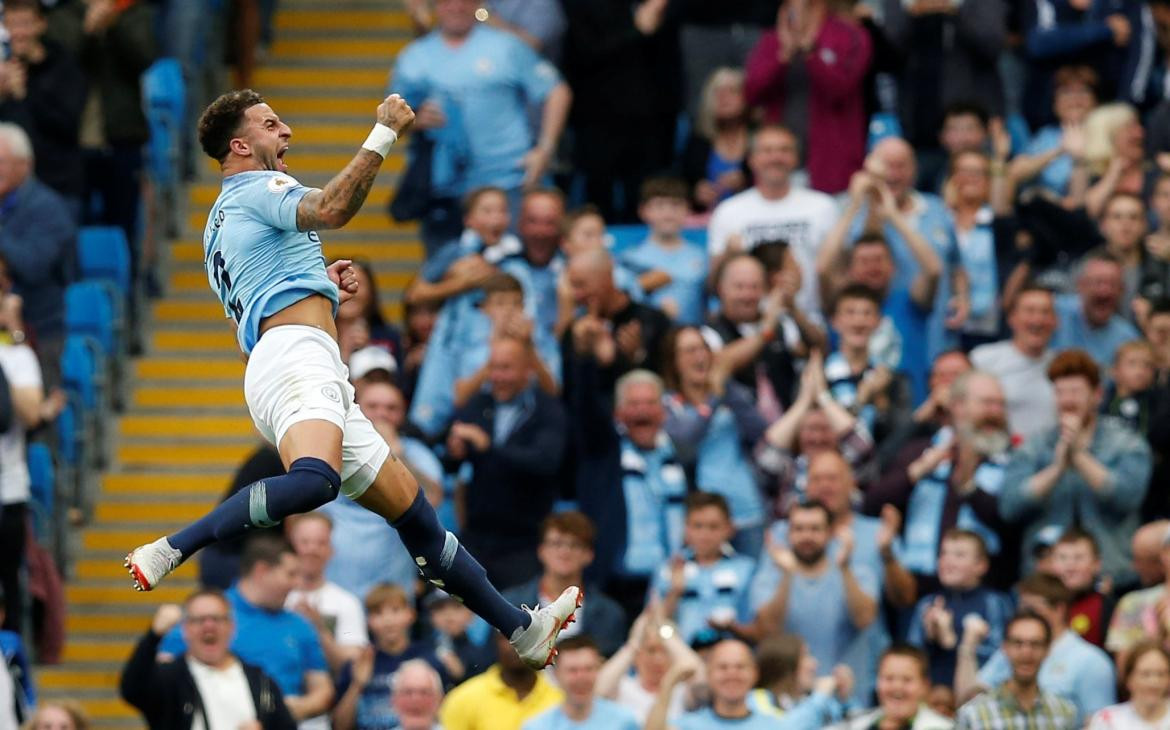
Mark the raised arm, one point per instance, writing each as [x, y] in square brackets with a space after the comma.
[335, 204]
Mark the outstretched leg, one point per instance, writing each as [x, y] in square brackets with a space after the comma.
[444, 562]
[311, 451]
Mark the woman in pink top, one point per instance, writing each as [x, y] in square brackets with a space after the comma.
[807, 73]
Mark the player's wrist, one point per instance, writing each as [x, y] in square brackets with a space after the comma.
[381, 139]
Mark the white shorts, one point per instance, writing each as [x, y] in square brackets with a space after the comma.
[295, 374]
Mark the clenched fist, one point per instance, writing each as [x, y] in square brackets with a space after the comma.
[395, 113]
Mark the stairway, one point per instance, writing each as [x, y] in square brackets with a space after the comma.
[186, 428]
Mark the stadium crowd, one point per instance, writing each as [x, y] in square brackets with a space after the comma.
[826, 343]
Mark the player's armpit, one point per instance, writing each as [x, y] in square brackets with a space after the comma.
[335, 204]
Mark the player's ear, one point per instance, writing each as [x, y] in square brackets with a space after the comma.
[240, 146]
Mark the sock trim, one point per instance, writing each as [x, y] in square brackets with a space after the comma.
[450, 548]
[258, 505]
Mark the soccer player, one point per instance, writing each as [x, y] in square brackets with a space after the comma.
[264, 261]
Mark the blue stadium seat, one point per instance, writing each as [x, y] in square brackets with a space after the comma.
[89, 311]
[42, 486]
[103, 254]
[70, 436]
[165, 101]
[82, 371]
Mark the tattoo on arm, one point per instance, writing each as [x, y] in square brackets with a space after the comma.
[336, 203]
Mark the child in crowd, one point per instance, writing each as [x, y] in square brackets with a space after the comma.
[463, 265]
[364, 685]
[1130, 394]
[938, 618]
[584, 230]
[1078, 566]
[670, 271]
[866, 389]
[705, 589]
[453, 622]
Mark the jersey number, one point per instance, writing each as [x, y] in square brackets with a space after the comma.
[224, 281]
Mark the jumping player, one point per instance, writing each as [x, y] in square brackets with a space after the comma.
[264, 261]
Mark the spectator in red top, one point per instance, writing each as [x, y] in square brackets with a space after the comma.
[807, 73]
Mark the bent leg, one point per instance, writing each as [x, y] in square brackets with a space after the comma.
[395, 496]
[311, 452]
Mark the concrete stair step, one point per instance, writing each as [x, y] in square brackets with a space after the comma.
[361, 52]
[50, 679]
[379, 20]
[160, 368]
[91, 569]
[139, 426]
[223, 456]
[192, 397]
[122, 593]
[144, 486]
[367, 79]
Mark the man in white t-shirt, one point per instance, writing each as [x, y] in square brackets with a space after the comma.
[774, 209]
[335, 612]
[206, 687]
[30, 408]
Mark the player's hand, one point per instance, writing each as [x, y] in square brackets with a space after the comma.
[166, 618]
[395, 113]
[342, 273]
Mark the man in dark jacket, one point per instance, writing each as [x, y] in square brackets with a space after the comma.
[43, 89]
[207, 681]
[513, 435]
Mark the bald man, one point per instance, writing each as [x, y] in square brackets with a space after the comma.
[774, 210]
[1141, 611]
[1147, 549]
[610, 333]
[750, 332]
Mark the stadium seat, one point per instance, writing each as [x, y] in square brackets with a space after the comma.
[623, 237]
[165, 98]
[42, 486]
[103, 254]
[91, 311]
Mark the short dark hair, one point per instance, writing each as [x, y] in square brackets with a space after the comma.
[221, 120]
[813, 505]
[32, 6]
[263, 549]
[872, 237]
[663, 187]
[958, 533]
[1026, 614]
[1031, 287]
[1074, 363]
[771, 254]
[1161, 305]
[501, 282]
[474, 196]
[576, 214]
[575, 643]
[857, 291]
[206, 592]
[909, 651]
[1077, 74]
[701, 500]
[1148, 646]
[965, 108]
[1048, 587]
[572, 523]
[1076, 534]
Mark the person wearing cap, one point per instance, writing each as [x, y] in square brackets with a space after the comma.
[371, 360]
[565, 552]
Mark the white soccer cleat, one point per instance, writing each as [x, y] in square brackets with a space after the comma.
[537, 644]
[151, 563]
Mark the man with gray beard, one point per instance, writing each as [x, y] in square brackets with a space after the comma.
[954, 481]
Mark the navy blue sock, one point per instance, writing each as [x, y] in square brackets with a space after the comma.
[443, 561]
[308, 484]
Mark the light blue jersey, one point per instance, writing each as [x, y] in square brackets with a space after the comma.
[717, 591]
[257, 262]
[605, 715]
[687, 266]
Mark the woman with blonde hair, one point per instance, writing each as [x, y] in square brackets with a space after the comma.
[713, 161]
[1114, 154]
[58, 715]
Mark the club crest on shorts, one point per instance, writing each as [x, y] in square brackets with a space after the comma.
[331, 392]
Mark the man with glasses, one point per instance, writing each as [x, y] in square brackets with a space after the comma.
[207, 687]
[1019, 702]
[564, 552]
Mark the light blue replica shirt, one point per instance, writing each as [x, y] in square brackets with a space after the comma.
[687, 266]
[257, 262]
[1056, 175]
[485, 85]
[605, 715]
[706, 719]
[1075, 331]
[1074, 669]
[654, 486]
[717, 591]
[280, 642]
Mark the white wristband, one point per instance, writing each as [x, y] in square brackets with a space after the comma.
[380, 140]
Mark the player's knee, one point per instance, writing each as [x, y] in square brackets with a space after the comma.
[309, 484]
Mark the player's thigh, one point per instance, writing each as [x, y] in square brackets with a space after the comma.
[316, 438]
[370, 474]
[392, 492]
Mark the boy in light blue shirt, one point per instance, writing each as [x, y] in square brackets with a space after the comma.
[705, 589]
[670, 271]
[578, 663]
